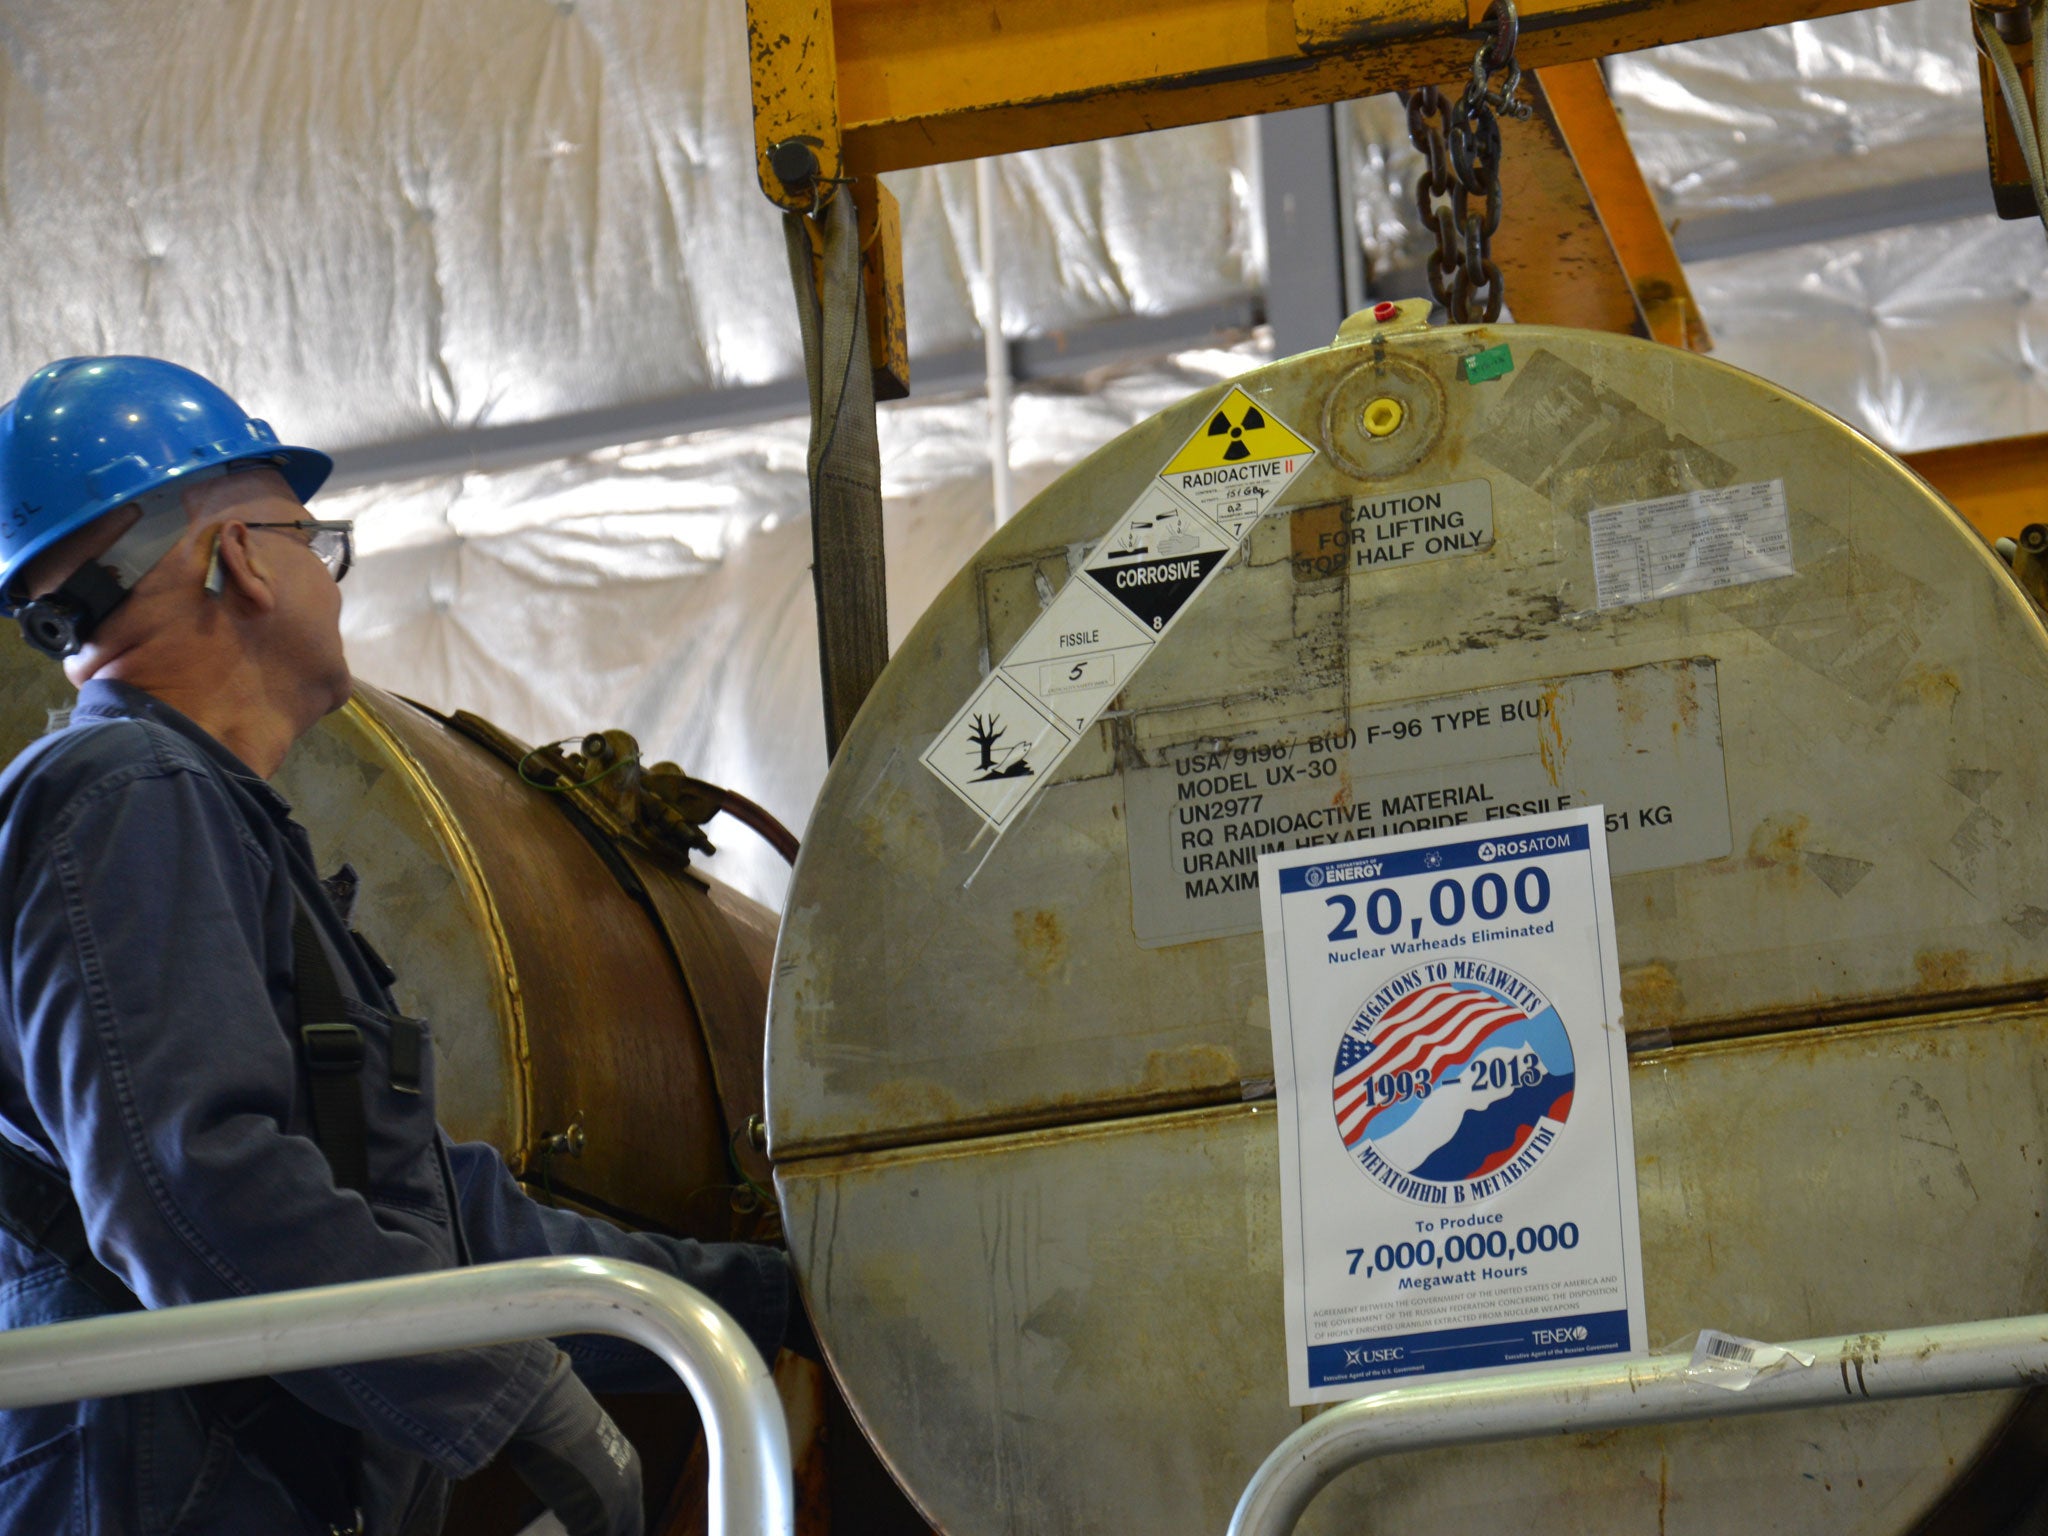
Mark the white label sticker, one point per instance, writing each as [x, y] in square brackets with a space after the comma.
[1645, 741]
[1457, 1161]
[1077, 654]
[1693, 542]
[1131, 589]
[1731, 1363]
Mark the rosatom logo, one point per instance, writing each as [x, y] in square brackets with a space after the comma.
[1519, 847]
[1452, 1082]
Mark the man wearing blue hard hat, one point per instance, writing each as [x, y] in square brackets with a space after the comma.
[206, 1089]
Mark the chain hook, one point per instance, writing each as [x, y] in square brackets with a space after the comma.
[1497, 55]
[1461, 136]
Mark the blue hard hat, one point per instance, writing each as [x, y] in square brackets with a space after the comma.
[88, 434]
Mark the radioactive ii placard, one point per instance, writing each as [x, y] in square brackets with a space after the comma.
[1236, 465]
[1131, 588]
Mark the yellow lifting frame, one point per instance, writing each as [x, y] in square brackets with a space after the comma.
[869, 86]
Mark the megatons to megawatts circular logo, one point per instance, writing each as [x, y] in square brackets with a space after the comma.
[1453, 1081]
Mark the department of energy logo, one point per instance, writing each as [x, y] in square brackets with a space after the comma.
[1452, 1082]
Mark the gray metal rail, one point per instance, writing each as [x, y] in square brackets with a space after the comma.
[1864, 1367]
[453, 1309]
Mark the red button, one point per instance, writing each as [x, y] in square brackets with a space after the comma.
[1384, 311]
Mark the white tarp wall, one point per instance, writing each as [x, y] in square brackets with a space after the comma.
[403, 220]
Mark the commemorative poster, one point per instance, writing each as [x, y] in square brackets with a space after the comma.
[1456, 1154]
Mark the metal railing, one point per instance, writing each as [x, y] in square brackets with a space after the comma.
[1856, 1368]
[744, 1430]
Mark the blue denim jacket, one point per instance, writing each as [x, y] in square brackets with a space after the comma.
[147, 1029]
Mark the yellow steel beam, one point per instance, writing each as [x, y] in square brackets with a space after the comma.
[881, 263]
[921, 82]
[1585, 116]
[2000, 486]
[1557, 263]
[2012, 193]
[796, 93]
[865, 86]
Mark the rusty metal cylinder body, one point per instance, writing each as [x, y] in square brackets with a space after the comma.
[596, 1011]
[1020, 1076]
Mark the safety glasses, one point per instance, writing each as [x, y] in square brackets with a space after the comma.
[333, 542]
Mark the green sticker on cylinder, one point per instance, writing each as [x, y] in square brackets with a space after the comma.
[1490, 364]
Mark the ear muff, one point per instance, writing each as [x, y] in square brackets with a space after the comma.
[59, 623]
[52, 625]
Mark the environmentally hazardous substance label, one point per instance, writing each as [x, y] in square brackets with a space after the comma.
[1457, 1161]
[997, 748]
[1126, 597]
[1692, 542]
[1645, 742]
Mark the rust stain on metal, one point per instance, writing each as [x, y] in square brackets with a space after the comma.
[1192, 1067]
[1936, 687]
[1777, 844]
[1551, 744]
[1944, 970]
[1041, 942]
[1629, 699]
[913, 1103]
[1650, 996]
[1688, 714]
[1316, 535]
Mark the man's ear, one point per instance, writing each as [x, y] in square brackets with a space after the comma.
[240, 570]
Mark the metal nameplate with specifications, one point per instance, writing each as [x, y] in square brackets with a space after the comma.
[1644, 741]
[1457, 1159]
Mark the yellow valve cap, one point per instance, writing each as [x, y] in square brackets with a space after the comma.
[1383, 416]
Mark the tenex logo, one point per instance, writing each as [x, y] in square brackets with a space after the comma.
[1575, 1335]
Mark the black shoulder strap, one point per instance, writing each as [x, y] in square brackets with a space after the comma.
[316, 1458]
[333, 1049]
[37, 1209]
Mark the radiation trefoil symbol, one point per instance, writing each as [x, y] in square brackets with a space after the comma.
[1221, 425]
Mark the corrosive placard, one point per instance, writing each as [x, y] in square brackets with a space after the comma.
[1129, 592]
[1457, 1162]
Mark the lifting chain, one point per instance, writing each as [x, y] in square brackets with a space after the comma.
[1458, 192]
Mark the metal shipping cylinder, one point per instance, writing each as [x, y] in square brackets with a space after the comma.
[1020, 1076]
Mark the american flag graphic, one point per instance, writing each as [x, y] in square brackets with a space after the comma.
[1436, 1027]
